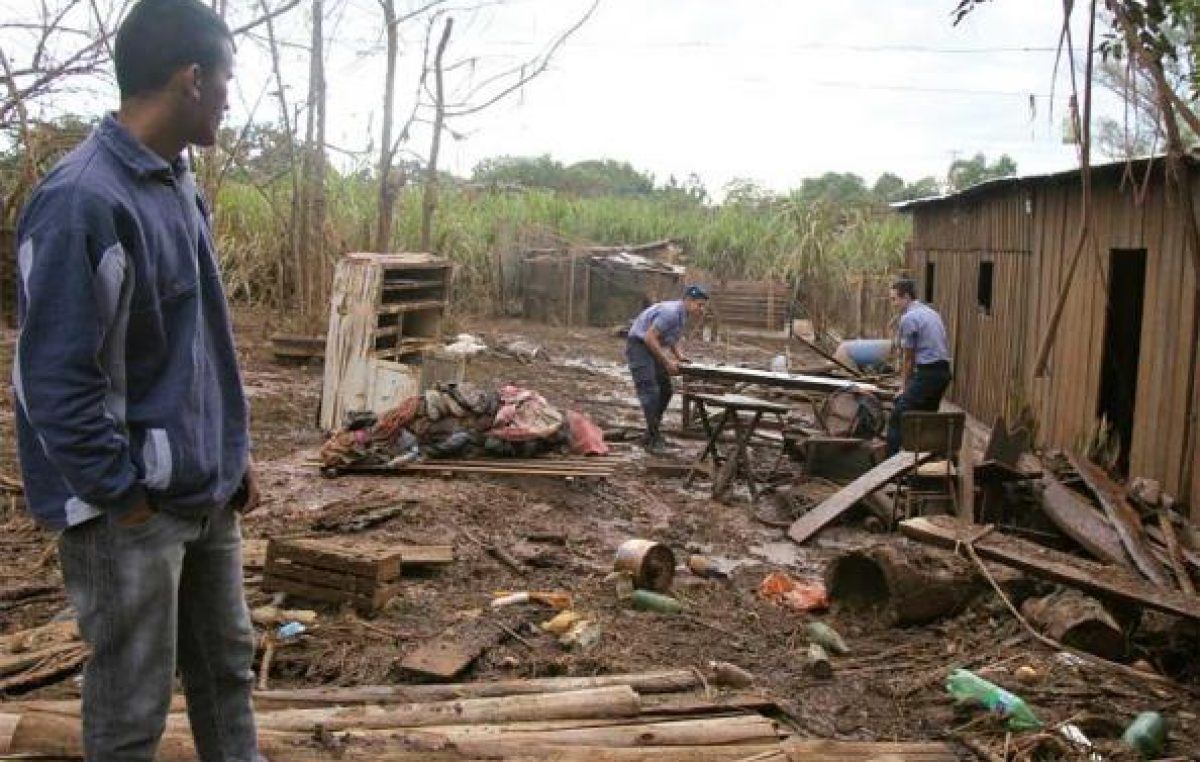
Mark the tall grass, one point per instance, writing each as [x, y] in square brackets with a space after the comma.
[783, 239]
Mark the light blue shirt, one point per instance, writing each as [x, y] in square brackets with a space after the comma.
[922, 331]
[668, 318]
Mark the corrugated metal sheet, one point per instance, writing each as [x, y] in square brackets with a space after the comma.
[1029, 229]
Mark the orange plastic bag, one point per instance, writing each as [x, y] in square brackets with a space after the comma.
[802, 596]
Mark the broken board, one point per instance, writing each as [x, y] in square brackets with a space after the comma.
[796, 381]
[452, 651]
[1081, 522]
[1099, 579]
[1123, 517]
[816, 519]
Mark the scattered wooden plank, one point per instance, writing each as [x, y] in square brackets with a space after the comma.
[797, 381]
[1182, 576]
[498, 468]
[1081, 522]
[1123, 517]
[816, 519]
[1096, 578]
[449, 653]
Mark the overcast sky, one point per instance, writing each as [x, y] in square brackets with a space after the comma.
[768, 90]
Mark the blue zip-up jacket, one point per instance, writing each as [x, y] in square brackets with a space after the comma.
[125, 373]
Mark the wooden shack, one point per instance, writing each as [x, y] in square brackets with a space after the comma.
[601, 286]
[385, 322]
[994, 260]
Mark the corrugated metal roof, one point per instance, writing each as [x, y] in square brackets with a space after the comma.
[988, 186]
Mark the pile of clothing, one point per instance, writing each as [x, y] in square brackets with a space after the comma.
[462, 421]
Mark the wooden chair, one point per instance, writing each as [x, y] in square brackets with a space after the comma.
[939, 435]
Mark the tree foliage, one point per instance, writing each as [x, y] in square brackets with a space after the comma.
[967, 172]
[591, 178]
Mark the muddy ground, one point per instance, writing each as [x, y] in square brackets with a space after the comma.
[890, 687]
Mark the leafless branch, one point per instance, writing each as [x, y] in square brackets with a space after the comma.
[268, 15]
[537, 66]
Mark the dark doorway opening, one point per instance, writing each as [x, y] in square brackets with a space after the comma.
[930, 272]
[1122, 345]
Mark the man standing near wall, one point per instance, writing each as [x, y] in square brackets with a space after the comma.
[653, 352]
[924, 358]
[131, 420]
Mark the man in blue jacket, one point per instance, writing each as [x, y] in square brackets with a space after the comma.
[652, 350]
[131, 422]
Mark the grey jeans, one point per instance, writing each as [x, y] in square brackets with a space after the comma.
[149, 598]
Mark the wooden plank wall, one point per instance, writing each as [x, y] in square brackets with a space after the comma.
[988, 347]
[1069, 397]
[995, 354]
[759, 305]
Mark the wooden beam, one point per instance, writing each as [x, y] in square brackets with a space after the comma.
[1123, 517]
[816, 519]
[1099, 579]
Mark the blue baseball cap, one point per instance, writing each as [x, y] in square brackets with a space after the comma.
[695, 292]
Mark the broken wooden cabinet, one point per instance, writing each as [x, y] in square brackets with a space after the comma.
[385, 319]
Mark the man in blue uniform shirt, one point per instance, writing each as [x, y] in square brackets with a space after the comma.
[924, 358]
[131, 421]
[653, 352]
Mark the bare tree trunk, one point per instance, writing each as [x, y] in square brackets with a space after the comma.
[293, 168]
[429, 202]
[312, 206]
[387, 190]
[318, 195]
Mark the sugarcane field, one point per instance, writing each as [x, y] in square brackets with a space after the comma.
[595, 380]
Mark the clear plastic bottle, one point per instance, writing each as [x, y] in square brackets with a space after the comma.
[966, 686]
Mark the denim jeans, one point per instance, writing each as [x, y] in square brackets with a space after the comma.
[652, 383]
[165, 594]
[923, 392]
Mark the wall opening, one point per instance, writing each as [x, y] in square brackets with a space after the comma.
[930, 271]
[1122, 346]
[983, 289]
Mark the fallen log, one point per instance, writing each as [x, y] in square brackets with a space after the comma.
[698, 732]
[1092, 577]
[904, 583]
[39, 637]
[34, 669]
[615, 701]
[1124, 518]
[1082, 523]
[662, 681]
[1078, 621]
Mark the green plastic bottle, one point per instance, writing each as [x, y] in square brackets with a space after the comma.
[648, 601]
[966, 686]
[1147, 734]
[827, 637]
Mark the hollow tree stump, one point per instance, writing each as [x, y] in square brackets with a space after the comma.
[904, 583]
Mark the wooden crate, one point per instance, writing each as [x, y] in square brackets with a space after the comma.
[362, 573]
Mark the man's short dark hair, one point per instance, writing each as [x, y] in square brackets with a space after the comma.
[906, 287]
[158, 37]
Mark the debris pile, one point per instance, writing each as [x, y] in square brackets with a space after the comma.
[461, 420]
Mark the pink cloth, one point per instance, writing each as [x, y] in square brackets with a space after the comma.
[586, 436]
